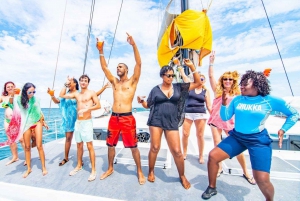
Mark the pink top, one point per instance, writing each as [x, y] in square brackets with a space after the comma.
[215, 118]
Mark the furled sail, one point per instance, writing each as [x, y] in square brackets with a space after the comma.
[189, 30]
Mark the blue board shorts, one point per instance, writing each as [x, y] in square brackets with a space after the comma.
[84, 130]
[258, 145]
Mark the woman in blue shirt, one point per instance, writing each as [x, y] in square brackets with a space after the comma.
[250, 111]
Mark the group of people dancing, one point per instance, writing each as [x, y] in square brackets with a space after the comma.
[239, 109]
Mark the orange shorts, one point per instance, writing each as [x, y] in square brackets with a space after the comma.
[124, 124]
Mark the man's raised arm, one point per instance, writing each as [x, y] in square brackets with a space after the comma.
[137, 57]
[103, 64]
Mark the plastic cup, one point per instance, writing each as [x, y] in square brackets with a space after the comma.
[100, 43]
[17, 91]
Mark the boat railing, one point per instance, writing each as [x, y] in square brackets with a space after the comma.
[53, 130]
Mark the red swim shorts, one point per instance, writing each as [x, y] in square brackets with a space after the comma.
[124, 124]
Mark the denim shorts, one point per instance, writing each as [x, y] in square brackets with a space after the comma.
[259, 146]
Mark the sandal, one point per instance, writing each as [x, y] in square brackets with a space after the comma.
[64, 161]
[73, 172]
[250, 180]
[92, 177]
[219, 173]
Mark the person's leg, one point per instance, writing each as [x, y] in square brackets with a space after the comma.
[228, 148]
[13, 148]
[27, 140]
[173, 140]
[200, 126]
[264, 184]
[217, 133]
[39, 145]
[79, 155]
[242, 161]
[69, 137]
[137, 159]
[186, 127]
[110, 169]
[155, 142]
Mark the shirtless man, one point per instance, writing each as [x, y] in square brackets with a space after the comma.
[86, 102]
[122, 120]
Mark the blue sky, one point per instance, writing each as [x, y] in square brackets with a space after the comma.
[30, 31]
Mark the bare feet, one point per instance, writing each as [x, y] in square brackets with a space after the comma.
[151, 177]
[26, 173]
[141, 177]
[185, 183]
[45, 172]
[201, 160]
[12, 161]
[106, 174]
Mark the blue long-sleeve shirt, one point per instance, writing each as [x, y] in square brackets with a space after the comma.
[252, 112]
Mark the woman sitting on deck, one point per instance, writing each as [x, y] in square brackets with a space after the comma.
[251, 109]
[166, 102]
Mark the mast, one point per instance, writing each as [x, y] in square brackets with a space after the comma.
[185, 53]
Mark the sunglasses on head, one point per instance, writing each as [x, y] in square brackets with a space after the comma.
[170, 75]
[30, 92]
[226, 79]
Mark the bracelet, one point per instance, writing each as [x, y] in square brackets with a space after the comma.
[101, 55]
[11, 97]
[211, 65]
[52, 96]
[194, 71]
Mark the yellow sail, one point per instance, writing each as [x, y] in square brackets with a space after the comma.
[195, 30]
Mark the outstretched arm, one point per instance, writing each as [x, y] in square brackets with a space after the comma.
[53, 98]
[137, 57]
[212, 80]
[196, 75]
[185, 78]
[107, 85]
[103, 64]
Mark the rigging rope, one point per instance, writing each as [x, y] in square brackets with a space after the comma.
[89, 33]
[62, 27]
[113, 41]
[277, 48]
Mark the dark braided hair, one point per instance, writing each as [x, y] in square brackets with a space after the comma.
[24, 96]
[260, 82]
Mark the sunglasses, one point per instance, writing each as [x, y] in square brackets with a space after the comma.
[202, 79]
[170, 75]
[227, 79]
[29, 92]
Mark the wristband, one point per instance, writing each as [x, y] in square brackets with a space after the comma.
[211, 65]
[101, 55]
[52, 96]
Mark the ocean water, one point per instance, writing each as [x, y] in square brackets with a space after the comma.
[50, 115]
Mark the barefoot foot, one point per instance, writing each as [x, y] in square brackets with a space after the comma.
[185, 183]
[45, 172]
[151, 177]
[26, 173]
[12, 161]
[201, 160]
[106, 174]
[141, 178]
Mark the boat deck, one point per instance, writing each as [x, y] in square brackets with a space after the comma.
[123, 183]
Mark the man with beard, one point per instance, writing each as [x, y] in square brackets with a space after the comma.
[87, 101]
[122, 120]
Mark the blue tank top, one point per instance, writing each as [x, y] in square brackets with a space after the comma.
[195, 102]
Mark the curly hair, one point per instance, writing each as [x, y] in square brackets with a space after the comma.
[235, 90]
[24, 96]
[165, 69]
[5, 93]
[260, 82]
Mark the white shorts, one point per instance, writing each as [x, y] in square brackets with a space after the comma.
[84, 131]
[196, 116]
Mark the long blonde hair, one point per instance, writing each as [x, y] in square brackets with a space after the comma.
[203, 86]
[235, 90]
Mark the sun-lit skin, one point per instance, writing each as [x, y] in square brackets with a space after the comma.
[247, 89]
[30, 92]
